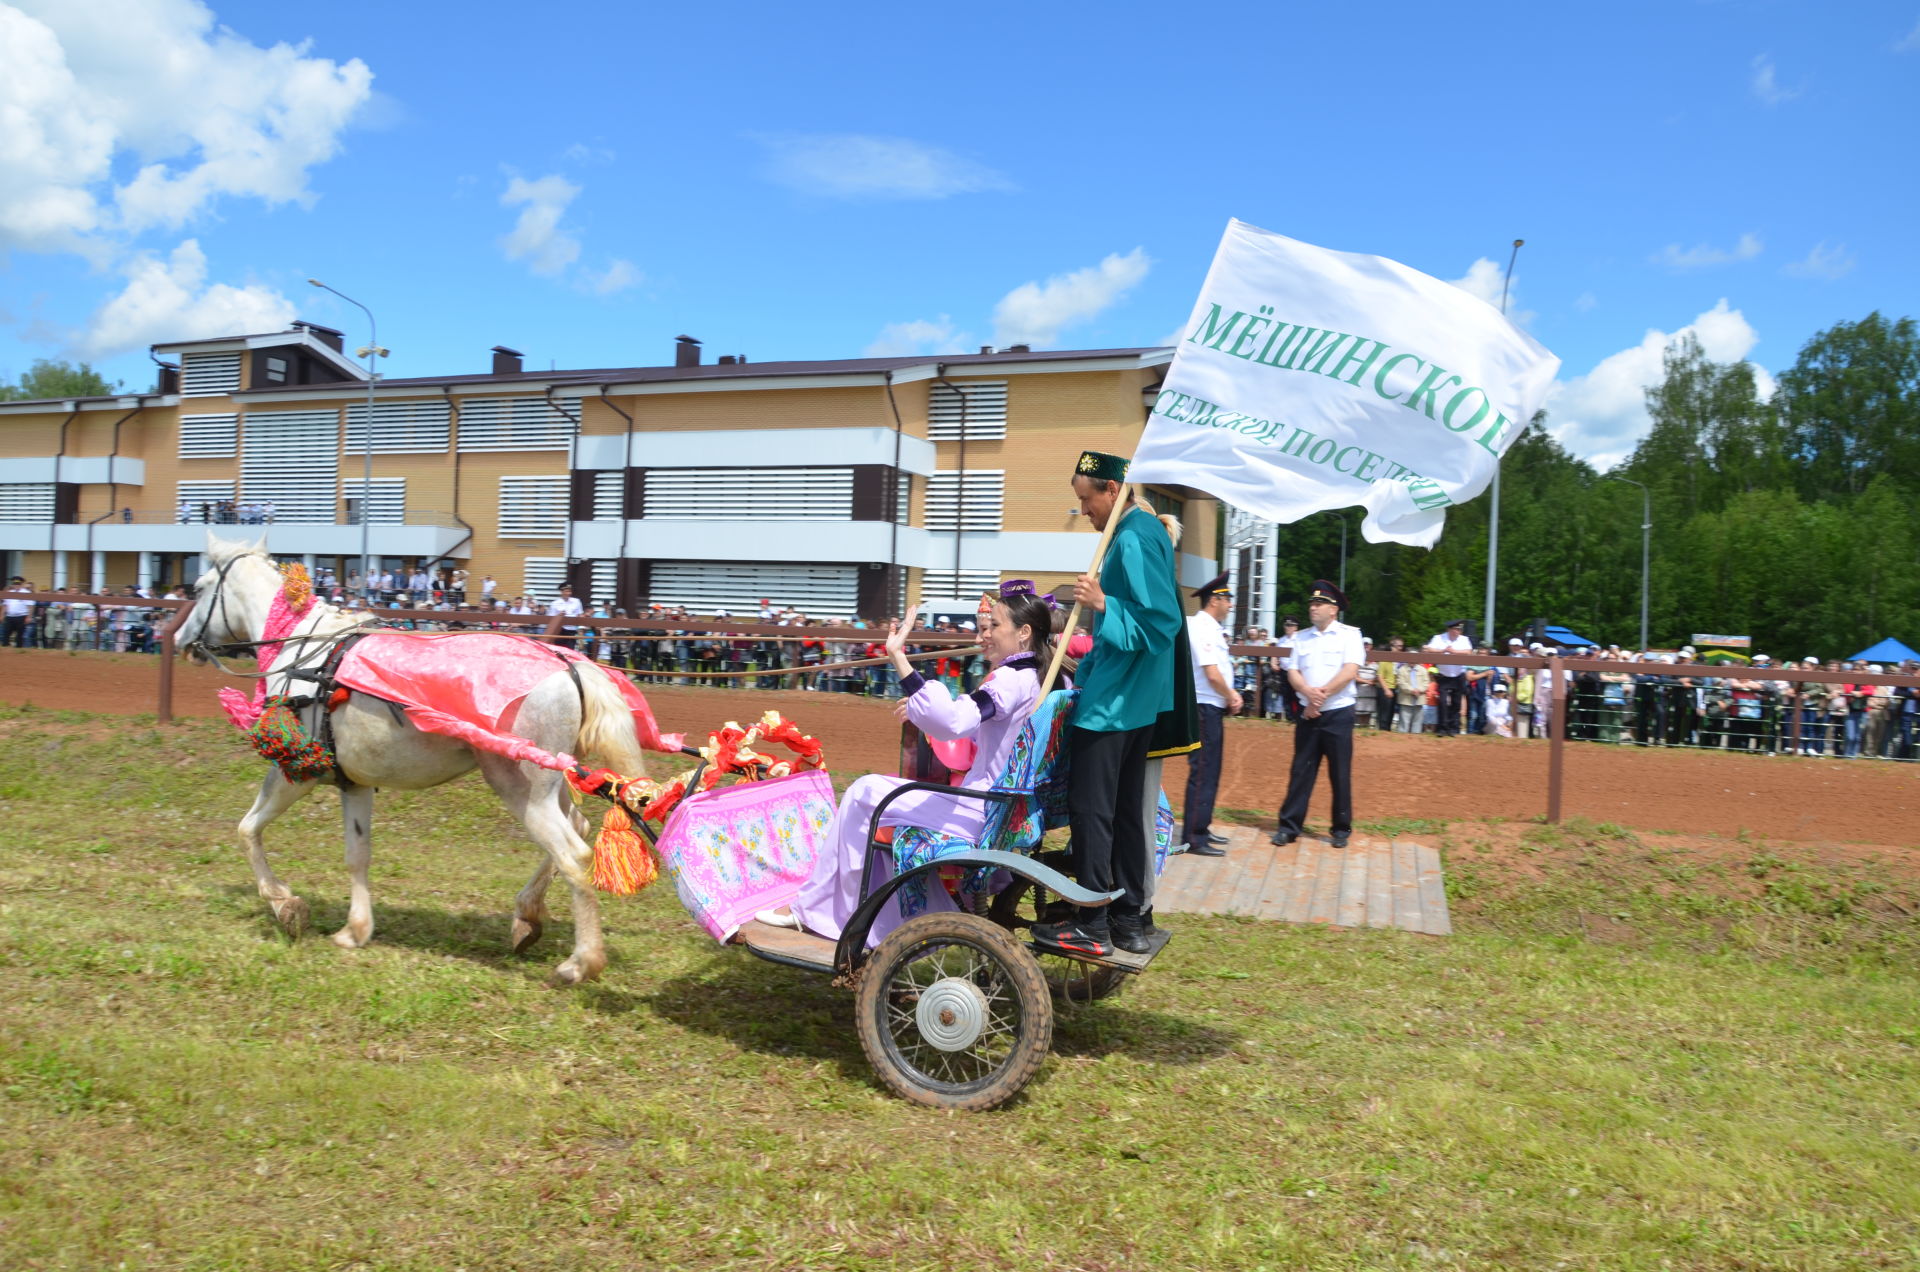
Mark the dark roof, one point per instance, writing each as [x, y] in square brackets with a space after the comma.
[718, 371]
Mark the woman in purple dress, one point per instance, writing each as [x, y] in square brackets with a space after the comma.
[1016, 639]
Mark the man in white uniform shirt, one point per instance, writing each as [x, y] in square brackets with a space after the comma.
[566, 605]
[19, 610]
[1325, 659]
[1452, 677]
[1214, 696]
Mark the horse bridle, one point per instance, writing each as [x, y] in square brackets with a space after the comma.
[235, 647]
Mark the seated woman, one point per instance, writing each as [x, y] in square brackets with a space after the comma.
[1015, 637]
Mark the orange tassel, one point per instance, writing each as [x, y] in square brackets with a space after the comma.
[621, 863]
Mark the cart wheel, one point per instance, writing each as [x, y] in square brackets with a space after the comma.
[1071, 981]
[953, 1013]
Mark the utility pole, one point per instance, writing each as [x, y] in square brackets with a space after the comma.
[1646, 552]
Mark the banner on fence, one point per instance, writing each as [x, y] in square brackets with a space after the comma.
[1309, 379]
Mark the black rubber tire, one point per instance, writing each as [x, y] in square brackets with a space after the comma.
[966, 947]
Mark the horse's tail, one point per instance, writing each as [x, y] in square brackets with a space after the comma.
[606, 728]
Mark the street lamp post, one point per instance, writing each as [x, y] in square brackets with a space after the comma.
[1493, 511]
[369, 351]
[1646, 551]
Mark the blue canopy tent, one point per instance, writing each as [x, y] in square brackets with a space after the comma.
[1566, 638]
[1887, 651]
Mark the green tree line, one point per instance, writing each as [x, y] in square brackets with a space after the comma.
[1793, 519]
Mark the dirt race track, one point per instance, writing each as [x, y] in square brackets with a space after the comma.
[1395, 775]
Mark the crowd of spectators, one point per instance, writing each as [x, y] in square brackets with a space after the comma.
[1745, 708]
[224, 512]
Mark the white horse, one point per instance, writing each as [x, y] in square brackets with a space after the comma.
[376, 746]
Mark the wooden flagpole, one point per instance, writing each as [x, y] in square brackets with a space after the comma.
[1122, 504]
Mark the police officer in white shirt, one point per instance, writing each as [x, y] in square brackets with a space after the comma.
[566, 605]
[1214, 696]
[1452, 676]
[1325, 659]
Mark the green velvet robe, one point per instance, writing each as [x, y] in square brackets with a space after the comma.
[1127, 680]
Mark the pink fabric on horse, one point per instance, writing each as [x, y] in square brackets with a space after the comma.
[739, 849]
[465, 684]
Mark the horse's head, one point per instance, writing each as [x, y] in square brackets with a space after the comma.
[238, 582]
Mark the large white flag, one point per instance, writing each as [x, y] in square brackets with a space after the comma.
[1309, 379]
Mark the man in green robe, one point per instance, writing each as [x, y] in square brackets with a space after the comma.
[1126, 682]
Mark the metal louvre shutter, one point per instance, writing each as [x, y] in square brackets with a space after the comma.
[533, 508]
[610, 494]
[26, 501]
[195, 493]
[947, 585]
[606, 582]
[972, 500]
[292, 458]
[985, 413]
[208, 436]
[389, 506]
[750, 494]
[400, 427]
[209, 374]
[513, 424]
[818, 591]
[541, 578]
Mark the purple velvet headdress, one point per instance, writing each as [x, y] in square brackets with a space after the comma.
[1016, 587]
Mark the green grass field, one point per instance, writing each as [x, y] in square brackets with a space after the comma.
[1627, 1058]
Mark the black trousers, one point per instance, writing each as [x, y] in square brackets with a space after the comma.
[16, 631]
[1105, 797]
[1203, 776]
[1453, 692]
[1330, 736]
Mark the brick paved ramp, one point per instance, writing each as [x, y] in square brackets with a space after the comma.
[1372, 882]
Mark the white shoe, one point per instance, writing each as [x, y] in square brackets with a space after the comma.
[773, 918]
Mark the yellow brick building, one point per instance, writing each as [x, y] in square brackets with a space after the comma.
[837, 487]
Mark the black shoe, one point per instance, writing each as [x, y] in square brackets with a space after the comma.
[1281, 838]
[1146, 921]
[1130, 933]
[1091, 937]
[1217, 839]
[1205, 849]
[1340, 840]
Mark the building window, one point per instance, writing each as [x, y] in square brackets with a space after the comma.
[973, 500]
[291, 459]
[26, 501]
[209, 374]
[513, 424]
[979, 405]
[533, 508]
[208, 436]
[750, 494]
[957, 585]
[401, 427]
[276, 370]
[389, 505]
[610, 494]
[704, 587]
[198, 502]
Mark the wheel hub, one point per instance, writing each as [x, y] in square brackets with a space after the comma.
[952, 1014]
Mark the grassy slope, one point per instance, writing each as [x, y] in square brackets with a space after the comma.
[180, 1088]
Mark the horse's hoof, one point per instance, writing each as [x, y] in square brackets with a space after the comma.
[349, 939]
[572, 973]
[524, 934]
[292, 914]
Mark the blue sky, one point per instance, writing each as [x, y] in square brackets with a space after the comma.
[586, 181]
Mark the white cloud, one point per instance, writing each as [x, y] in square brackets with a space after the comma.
[170, 300]
[536, 237]
[1765, 84]
[203, 113]
[1705, 255]
[1602, 414]
[616, 277]
[1483, 279]
[1910, 43]
[1036, 313]
[860, 166]
[1585, 302]
[1822, 262]
[905, 339]
[581, 152]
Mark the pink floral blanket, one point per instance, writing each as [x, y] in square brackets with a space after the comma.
[737, 849]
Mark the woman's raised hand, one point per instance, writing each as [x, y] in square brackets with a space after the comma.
[897, 633]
